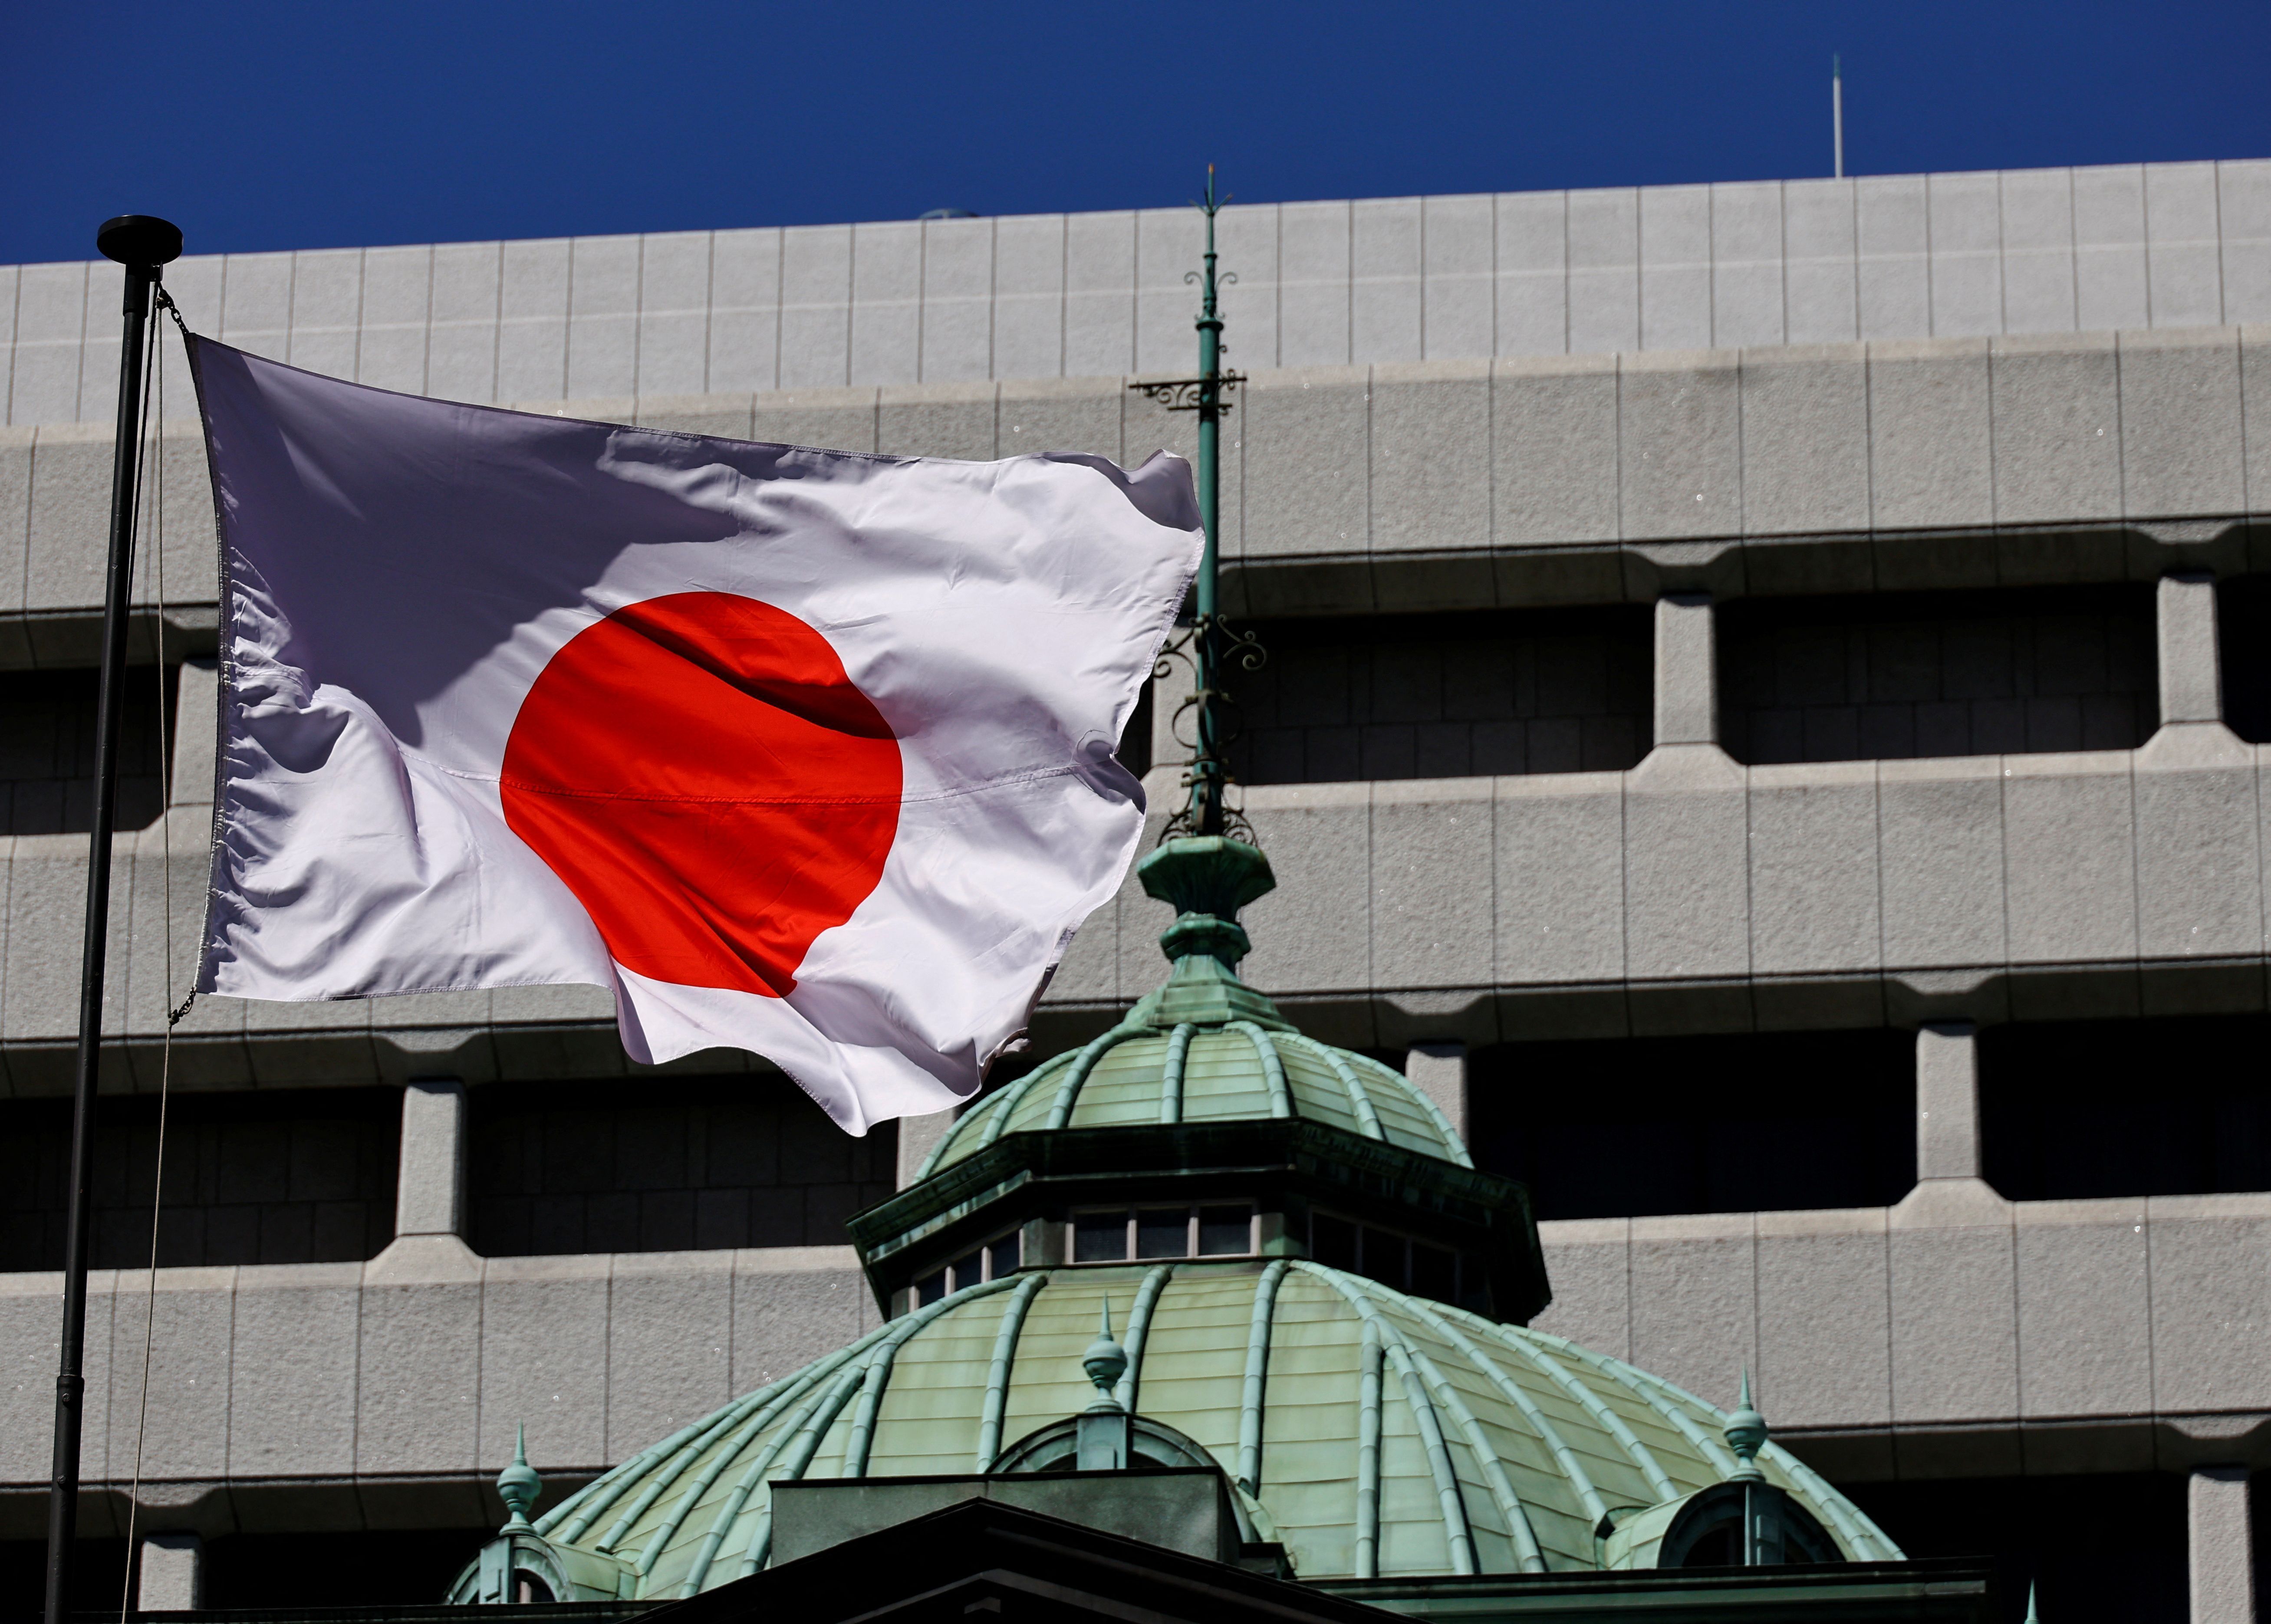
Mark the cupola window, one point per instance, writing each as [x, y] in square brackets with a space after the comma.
[998, 1257]
[1402, 1261]
[1122, 1234]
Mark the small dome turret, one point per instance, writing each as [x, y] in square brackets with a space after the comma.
[1205, 1125]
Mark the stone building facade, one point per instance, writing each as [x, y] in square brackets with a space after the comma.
[1766, 722]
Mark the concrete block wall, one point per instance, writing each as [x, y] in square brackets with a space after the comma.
[1372, 281]
[386, 1394]
[1576, 480]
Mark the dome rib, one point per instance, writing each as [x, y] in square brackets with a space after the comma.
[678, 1461]
[1273, 1066]
[1076, 1074]
[1171, 1073]
[1659, 1481]
[591, 1502]
[1439, 1390]
[1359, 1097]
[1367, 1456]
[997, 1372]
[1866, 1539]
[1454, 1146]
[1257, 1370]
[1458, 1534]
[1139, 1329]
[1589, 1494]
[703, 1482]
[878, 1376]
[800, 1441]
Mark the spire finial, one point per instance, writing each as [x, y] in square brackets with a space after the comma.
[1746, 1435]
[2033, 1587]
[1105, 1362]
[518, 1485]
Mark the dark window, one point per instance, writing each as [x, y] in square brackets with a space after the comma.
[47, 749]
[1164, 1232]
[930, 1288]
[1743, 1123]
[1900, 674]
[2106, 1549]
[294, 1176]
[1101, 1238]
[1003, 1256]
[1383, 1257]
[1332, 1241]
[2243, 620]
[665, 1163]
[2179, 1105]
[1444, 695]
[98, 1576]
[1434, 1273]
[1226, 1231]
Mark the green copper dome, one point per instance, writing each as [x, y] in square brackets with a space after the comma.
[1311, 1282]
[1206, 1047]
[1136, 1074]
[1373, 1433]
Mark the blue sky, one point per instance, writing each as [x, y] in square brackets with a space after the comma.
[274, 126]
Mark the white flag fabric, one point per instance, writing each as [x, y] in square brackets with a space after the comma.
[808, 753]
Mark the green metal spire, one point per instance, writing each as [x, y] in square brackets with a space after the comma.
[1746, 1435]
[1206, 810]
[1209, 774]
[518, 1485]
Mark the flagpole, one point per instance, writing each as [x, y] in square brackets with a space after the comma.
[142, 244]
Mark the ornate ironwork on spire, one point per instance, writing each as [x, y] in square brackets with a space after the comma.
[1211, 642]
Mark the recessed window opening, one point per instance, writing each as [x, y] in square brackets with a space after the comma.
[47, 749]
[669, 1163]
[258, 1176]
[1407, 1263]
[997, 1259]
[2243, 622]
[1735, 1122]
[1460, 694]
[1120, 1234]
[1896, 675]
[2081, 1110]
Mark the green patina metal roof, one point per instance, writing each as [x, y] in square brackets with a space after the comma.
[1375, 1433]
[1136, 1074]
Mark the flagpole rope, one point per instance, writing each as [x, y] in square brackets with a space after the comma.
[154, 407]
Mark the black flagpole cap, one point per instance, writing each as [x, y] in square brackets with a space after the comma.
[141, 240]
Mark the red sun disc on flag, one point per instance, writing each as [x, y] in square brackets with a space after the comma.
[710, 783]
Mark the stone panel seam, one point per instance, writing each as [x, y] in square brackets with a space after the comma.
[2120, 427]
[922, 305]
[86, 298]
[1931, 304]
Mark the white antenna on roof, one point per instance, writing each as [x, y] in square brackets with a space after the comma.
[1837, 115]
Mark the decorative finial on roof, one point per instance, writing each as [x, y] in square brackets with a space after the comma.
[518, 1485]
[2032, 1616]
[1105, 1362]
[1746, 1435]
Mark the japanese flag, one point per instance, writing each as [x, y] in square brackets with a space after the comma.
[805, 752]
